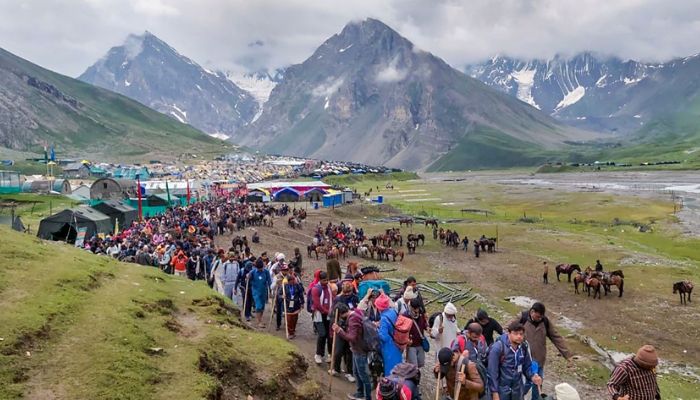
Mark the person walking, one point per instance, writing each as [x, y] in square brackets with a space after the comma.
[545, 272]
[333, 270]
[471, 341]
[634, 378]
[510, 364]
[391, 354]
[260, 283]
[444, 329]
[457, 369]
[415, 352]
[321, 298]
[489, 326]
[295, 301]
[342, 347]
[354, 334]
[229, 275]
[277, 285]
[179, 263]
[538, 328]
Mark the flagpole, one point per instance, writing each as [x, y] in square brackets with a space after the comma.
[138, 190]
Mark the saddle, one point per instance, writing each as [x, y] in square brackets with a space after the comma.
[688, 286]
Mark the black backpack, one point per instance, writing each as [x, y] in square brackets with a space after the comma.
[370, 336]
[431, 320]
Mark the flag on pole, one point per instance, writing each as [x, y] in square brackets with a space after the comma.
[53, 154]
[167, 190]
[116, 226]
[189, 195]
[138, 191]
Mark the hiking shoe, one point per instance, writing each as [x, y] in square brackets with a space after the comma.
[332, 373]
[355, 397]
[350, 378]
[278, 328]
[318, 359]
[327, 359]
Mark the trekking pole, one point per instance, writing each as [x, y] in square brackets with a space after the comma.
[284, 297]
[458, 388]
[330, 375]
[438, 386]
[245, 297]
[272, 312]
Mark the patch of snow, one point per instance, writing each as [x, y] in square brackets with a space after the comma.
[631, 81]
[581, 118]
[198, 87]
[125, 63]
[319, 57]
[601, 82]
[183, 113]
[259, 88]
[179, 118]
[343, 49]
[328, 103]
[571, 98]
[219, 135]
[257, 114]
[638, 116]
[525, 79]
[127, 83]
[683, 188]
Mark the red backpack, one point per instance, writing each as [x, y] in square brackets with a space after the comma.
[402, 330]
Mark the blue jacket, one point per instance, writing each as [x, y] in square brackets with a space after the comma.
[507, 367]
[260, 282]
[390, 352]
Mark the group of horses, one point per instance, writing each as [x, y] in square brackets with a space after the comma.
[592, 281]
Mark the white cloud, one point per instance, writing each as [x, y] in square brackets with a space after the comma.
[329, 88]
[391, 73]
[68, 36]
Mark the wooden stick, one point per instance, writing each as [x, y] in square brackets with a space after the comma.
[438, 387]
[284, 300]
[245, 296]
[272, 312]
[458, 387]
[330, 375]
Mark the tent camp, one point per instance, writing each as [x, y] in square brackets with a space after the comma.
[287, 194]
[64, 225]
[117, 210]
[112, 189]
[315, 194]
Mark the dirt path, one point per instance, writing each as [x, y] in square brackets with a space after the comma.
[506, 273]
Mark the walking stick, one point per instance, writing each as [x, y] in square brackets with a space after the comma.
[245, 296]
[330, 375]
[458, 388]
[272, 312]
[438, 387]
[284, 297]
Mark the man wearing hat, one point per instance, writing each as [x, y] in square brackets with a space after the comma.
[444, 329]
[449, 366]
[634, 378]
[277, 284]
[391, 354]
[403, 303]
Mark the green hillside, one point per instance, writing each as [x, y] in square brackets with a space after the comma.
[78, 326]
[43, 106]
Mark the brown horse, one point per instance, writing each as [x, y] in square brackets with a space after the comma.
[613, 279]
[683, 288]
[407, 221]
[312, 248]
[431, 221]
[593, 283]
[579, 278]
[567, 269]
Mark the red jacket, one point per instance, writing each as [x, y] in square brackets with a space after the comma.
[316, 303]
[180, 262]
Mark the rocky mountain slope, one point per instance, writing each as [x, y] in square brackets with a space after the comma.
[368, 95]
[148, 70]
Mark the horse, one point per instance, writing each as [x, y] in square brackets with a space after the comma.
[394, 253]
[683, 288]
[567, 269]
[618, 273]
[294, 223]
[312, 248]
[593, 283]
[431, 221]
[411, 244]
[407, 221]
[238, 242]
[613, 279]
[267, 220]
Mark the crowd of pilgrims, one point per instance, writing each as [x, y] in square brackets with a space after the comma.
[379, 342]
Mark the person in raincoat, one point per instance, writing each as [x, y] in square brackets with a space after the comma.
[260, 282]
[390, 351]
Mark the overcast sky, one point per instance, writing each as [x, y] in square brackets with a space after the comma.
[69, 35]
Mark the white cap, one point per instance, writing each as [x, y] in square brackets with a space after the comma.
[280, 256]
[564, 391]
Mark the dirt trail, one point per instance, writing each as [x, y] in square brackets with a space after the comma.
[508, 272]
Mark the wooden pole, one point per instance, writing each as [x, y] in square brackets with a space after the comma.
[284, 300]
[438, 386]
[330, 374]
[274, 304]
[245, 295]
[458, 387]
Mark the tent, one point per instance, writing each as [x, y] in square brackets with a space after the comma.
[117, 210]
[314, 194]
[287, 194]
[64, 225]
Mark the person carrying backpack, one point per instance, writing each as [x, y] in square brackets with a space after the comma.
[391, 354]
[509, 362]
[401, 384]
[444, 328]
[359, 346]
[342, 347]
[537, 329]
[460, 372]
[473, 342]
[415, 353]
[489, 326]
